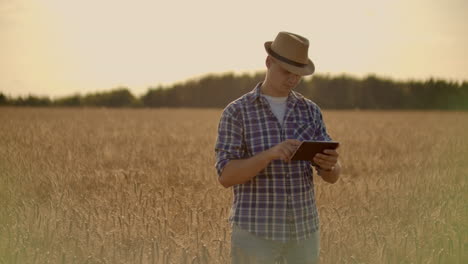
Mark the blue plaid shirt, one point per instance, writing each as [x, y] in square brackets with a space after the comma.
[278, 203]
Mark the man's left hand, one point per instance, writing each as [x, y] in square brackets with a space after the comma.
[328, 160]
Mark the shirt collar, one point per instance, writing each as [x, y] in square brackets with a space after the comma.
[256, 93]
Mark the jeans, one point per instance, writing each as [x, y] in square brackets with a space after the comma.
[247, 248]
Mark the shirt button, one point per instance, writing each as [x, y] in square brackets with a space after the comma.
[287, 175]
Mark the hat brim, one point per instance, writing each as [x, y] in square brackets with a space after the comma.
[303, 71]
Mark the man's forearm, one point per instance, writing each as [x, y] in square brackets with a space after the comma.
[243, 170]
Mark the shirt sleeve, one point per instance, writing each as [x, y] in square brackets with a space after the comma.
[229, 143]
[321, 130]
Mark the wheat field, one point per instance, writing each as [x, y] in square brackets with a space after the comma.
[139, 186]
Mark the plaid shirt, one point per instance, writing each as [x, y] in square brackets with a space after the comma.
[265, 204]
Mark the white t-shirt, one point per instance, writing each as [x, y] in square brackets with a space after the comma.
[278, 106]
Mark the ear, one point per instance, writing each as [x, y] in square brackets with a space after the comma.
[268, 61]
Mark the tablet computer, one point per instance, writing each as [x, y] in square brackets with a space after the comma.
[308, 149]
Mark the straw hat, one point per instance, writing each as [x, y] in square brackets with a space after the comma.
[291, 52]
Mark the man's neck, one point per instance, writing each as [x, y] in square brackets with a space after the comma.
[268, 90]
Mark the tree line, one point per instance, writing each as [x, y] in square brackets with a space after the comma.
[329, 92]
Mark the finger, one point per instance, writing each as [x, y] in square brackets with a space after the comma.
[294, 142]
[326, 162]
[331, 163]
[292, 149]
[331, 152]
[327, 157]
[324, 165]
[320, 164]
[281, 155]
[287, 150]
[328, 168]
[285, 154]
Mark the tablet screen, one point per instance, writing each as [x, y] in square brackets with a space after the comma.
[308, 149]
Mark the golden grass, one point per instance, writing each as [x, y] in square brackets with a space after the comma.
[139, 186]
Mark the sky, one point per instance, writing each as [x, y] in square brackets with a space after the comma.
[62, 47]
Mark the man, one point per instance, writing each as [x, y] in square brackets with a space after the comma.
[274, 212]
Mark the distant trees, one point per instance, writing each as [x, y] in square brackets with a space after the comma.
[73, 100]
[120, 97]
[339, 92]
[210, 91]
[216, 91]
[29, 100]
[3, 99]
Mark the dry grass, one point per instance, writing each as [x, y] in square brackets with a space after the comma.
[139, 186]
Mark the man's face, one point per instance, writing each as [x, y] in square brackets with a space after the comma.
[282, 79]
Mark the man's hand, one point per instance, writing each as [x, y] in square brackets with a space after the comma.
[327, 161]
[328, 165]
[284, 150]
[240, 171]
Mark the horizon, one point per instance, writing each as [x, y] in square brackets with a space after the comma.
[63, 47]
[220, 74]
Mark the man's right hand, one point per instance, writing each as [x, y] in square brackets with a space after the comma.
[238, 171]
[284, 150]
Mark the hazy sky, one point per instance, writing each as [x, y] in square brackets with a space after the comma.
[60, 47]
